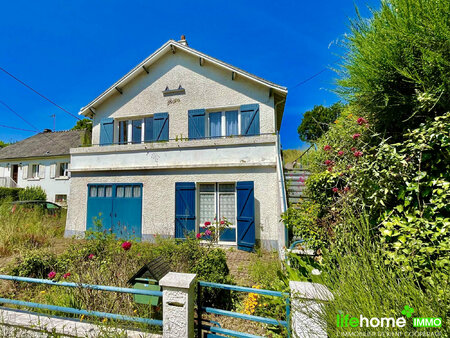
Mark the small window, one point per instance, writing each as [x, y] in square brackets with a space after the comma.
[93, 191]
[136, 133]
[123, 132]
[61, 198]
[34, 171]
[128, 191]
[62, 169]
[101, 191]
[120, 191]
[136, 191]
[108, 191]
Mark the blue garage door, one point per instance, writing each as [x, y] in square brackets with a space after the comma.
[115, 208]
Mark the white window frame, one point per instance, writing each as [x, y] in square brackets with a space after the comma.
[58, 170]
[222, 121]
[129, 122]
[217, 194]
[31, 174]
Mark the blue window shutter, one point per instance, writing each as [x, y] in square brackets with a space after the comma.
[184, 208]
[161, 127]
[196, 123]
[250, 119]
[148, 132]
[245, 215]
[106, 131]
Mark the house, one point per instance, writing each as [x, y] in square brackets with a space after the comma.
[182, 139]
[41, 160]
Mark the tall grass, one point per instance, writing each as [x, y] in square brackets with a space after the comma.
[24, 228]
[362, 284]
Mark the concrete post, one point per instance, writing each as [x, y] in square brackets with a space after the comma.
[306, 309]
[178, 304]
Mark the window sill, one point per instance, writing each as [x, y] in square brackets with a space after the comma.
[34, 179]
[62, 178]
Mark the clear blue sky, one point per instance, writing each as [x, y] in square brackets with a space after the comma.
[73, 50]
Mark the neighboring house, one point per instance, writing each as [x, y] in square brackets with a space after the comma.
[40, 160]
[181, 139]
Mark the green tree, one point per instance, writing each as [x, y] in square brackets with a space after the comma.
[84, 124]
[3, 144]
[397, 64]
[316, 122]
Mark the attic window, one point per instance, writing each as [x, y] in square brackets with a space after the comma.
[171, 92]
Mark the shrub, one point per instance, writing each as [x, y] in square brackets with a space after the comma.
[32, 193]
[35, 264]
[9, 193]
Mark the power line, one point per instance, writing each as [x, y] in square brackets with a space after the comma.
[309, 78]
[41, 95]
[12, 110]
[3, 126]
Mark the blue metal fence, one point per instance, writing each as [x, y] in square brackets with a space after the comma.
[231, 333]
[80, 311]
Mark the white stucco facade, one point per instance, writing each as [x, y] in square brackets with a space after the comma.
[159, 166]
[47, 178]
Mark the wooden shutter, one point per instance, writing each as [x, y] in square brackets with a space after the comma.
[53, 170]
[148, 129]
[25, 171]
[184, 208]
[161, 127]
[245, 215]
[106, 131]
[41, 171]
[196, 122]
[250, 119]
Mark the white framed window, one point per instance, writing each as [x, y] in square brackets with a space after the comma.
[61, 198]
[216, 202]
[35, 171]
[137, 130]
[223, 123]
[62, 169]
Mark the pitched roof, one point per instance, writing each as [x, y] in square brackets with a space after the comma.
[172, 45]
[44, 144]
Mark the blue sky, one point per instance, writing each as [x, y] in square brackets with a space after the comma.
[72, 51]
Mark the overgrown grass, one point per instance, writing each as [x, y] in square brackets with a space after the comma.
[362, 284]
[23, 228]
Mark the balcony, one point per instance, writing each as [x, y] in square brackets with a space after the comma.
[239, 151]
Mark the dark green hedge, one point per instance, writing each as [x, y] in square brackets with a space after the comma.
[9, 193]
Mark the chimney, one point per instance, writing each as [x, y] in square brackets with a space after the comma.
[183, 40]
[47, 130]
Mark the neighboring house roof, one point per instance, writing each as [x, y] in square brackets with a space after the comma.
[172, 45]
[44, 144]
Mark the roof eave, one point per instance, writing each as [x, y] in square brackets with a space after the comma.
[88, 109]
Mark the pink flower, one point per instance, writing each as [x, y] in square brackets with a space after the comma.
[51, 274]
[361, 120]
[340, 153]
[199, 235]
[353, 149]
[207, 223]
[208, 232]
[126, 245]
[335, 189]
[301, 179]
[222, 222]
[91, 256]
[66, 275]
[327, 147]
[358, 153]
[328, 162]
[330, 169]
[355, 136]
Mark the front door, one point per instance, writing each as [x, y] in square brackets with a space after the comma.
[15, 172]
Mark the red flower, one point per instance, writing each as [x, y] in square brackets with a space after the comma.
[301, 179]
[66, 275]
[328, 162]
[208, 232]
[361, 120]
[358, 153]
[353, 149]
[51, 274]
[330, 169]
[335, 189]
[340, 153]
[222, 222]
[327, 147]
[199, 235]
[207, 223]
[347, 188]
[126, 245]
[355, 136]
[91, 256]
